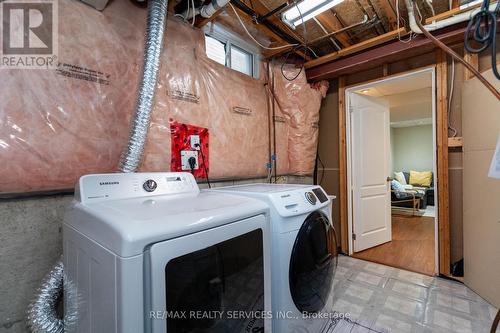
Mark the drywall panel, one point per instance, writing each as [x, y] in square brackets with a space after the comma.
[480, 114]
[481, 224]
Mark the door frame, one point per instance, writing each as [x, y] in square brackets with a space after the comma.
[346, 158]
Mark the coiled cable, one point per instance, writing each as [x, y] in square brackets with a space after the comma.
[484, 35]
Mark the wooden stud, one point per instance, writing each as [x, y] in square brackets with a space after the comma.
[442, 162]
[473, 59]
[202, 21]
[388, 12]
[356, 48]
[344, 235]
[385, 69]
[455, 142]
[451, 12]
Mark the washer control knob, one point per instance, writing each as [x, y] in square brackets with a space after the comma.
[149, 185]
[311, 198]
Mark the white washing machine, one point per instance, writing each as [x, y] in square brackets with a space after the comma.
[303, 252]
[147, 252]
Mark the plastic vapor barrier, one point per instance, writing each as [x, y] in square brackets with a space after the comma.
[56, 125]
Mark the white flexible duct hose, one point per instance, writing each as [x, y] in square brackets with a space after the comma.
[157, 13]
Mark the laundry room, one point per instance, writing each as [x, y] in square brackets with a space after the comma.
[249, 166]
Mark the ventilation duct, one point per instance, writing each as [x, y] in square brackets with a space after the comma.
[42, 313]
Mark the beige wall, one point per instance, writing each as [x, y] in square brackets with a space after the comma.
[412, 148]
[328, 173]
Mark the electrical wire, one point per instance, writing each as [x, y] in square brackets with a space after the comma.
[484, 35]
[194, 13]
[204, 164]
[450, 97]
[184, 18]
[322, 168]
[305, 50]
[398, 18]
[253, 38]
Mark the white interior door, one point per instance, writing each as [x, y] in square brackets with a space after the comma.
[370, 157]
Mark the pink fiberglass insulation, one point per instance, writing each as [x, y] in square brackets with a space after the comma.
[56, 125]
[198, 91]
[299, 102]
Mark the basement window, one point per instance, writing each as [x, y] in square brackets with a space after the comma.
[230, 52]
[215, 50]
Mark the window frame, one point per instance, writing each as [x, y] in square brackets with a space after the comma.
[230, 39]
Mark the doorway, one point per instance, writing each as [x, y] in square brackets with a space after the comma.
[391, 171]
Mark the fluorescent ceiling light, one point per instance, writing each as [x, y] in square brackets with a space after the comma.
[307, 9]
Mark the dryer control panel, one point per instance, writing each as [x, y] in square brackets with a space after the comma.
[299, 201]
[102, 187]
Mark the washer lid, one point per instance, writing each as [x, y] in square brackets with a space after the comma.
[127, 226]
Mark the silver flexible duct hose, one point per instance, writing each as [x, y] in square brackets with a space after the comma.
[140, 123]
[42, 312]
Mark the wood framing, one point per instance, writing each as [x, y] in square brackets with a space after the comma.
[202, 21]
[356, 48]
[332, 23]
[455, 11]
[390, 52]
[473, 59]
[344, 234]
[442, 163]
[441, 160]
[456, 142]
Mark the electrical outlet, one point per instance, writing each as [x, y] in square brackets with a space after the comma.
[185, 155]
[195, 142]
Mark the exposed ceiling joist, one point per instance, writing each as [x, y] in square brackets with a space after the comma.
[202, 21]
[389, 12]
[385, 53]
[269, 32]
[356, 47]
[332, 23]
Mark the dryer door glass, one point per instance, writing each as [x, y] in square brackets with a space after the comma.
[206, 288]
[313, 263]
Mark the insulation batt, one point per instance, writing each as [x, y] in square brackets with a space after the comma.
[299, 102]
[56, 125]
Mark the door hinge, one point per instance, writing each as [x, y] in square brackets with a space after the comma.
[353, 236]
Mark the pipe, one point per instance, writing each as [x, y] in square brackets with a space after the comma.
[337, 46]
[208, 10]
[157, 13]
[355, 25]
[462, 17]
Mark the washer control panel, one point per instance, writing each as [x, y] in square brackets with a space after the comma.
[101, 187]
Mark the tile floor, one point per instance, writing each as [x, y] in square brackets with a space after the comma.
[380, 298]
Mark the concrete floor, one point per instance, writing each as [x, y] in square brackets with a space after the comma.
[380, 298]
